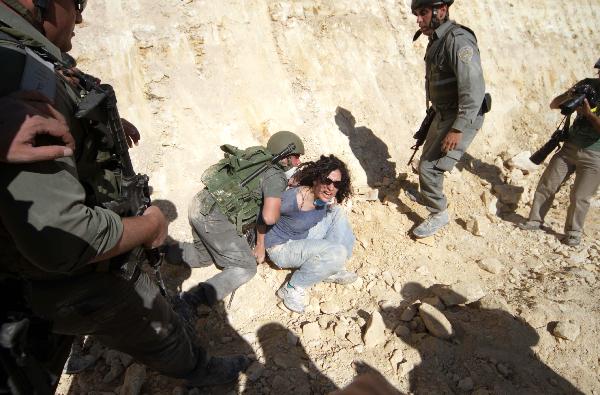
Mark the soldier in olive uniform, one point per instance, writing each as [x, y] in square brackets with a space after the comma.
[214, 215]
[56, 239]
[455, 88]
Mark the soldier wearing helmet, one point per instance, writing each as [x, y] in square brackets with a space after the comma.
[455, 89]
[228, 208]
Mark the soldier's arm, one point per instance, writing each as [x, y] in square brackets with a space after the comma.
[466, 63]
[42, 208]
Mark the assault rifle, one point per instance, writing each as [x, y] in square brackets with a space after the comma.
[559, 135]
[421, 134]
[250, 235]
[100, 107]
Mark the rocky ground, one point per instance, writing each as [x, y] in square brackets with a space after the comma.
[482, 307]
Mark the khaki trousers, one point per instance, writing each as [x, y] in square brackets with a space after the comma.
[570, 159]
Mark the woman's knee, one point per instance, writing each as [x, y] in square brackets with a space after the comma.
[335, 256]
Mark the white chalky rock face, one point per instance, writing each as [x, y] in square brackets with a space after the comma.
[491, 265]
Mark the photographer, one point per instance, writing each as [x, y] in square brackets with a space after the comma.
[580, 155]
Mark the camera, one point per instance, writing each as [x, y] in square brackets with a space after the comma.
[576, 97]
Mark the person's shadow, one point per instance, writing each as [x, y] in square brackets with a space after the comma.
[287, 368]
[491, 351]
[372, 153]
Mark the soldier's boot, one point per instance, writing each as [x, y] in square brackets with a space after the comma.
[432, 224]
[218, 370]
[78, 361]
[530, 225]
[571, 240]
[342, 277]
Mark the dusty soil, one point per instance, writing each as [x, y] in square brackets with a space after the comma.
[345, 76]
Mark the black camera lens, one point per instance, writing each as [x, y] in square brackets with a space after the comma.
[570, 105]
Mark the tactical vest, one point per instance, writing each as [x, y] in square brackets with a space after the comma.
[101, 184]
[441, 84]
[240, 204]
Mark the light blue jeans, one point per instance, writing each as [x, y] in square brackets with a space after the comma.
[323, 253]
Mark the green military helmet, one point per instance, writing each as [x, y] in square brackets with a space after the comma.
[280, 140]
[416, 4]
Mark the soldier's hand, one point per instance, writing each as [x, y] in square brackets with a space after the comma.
[133, 135]
[259, 254]
[25, 117]
[161, 227]
[451, 140]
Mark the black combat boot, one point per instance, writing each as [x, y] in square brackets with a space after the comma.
[217, 371]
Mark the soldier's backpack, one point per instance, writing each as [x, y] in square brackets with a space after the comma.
[240, 204]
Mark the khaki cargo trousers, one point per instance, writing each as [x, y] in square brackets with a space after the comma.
[585, 163]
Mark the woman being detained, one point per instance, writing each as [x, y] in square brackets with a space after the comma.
[313, 234]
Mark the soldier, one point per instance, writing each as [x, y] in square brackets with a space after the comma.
[455, 87]
[221, 213]
[580, 155]
[57, 240]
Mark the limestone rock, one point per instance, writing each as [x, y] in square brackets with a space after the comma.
[490, 202]
[340, 330]
[329, 308]
[435, 302]
[409, 313]
[491, 265]
[396, 359]
[311, 331]
[462, 292]
[255, 371]
[521, 161]
[402, 331]
[375, 330]
[477, 225]
[568, 330]
[508, 194]
[435, 321]
[135, 375]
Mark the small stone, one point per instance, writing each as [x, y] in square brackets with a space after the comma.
[435, 321]
[255, 371]
[466, 384]
[423, 271]
[311, 331]
[359, 348]
[477, 225]
[491, 265]
[135, 376]
[396, 359]
[522, 162]
[508, 194]
[340, 330]
[354, 338]
[329, 308]
[375, 331]
[388, 278]
[402, 331]
[567, 330]
[409, 313]
[435, 302]
[358, 284]
[462, 292]
[397, 287]
[503, 369]
[515, 272]
[323, 321]
[417, 325]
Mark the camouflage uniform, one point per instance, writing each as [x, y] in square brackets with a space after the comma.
[52, 225]
[455, 87]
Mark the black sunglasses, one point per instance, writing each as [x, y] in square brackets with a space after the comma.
[329, 181]
[80, 5]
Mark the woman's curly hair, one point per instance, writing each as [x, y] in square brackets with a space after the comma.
[309, 172]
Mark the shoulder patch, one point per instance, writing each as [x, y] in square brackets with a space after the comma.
[465, 54]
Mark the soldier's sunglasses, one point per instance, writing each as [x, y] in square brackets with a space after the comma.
[80, 5]
[329, 181]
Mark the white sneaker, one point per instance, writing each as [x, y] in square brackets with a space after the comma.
[293, 297]
[342, 277]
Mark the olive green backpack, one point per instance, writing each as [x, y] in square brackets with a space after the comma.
[240, 204]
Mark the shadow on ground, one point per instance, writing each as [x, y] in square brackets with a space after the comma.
[490, 346]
